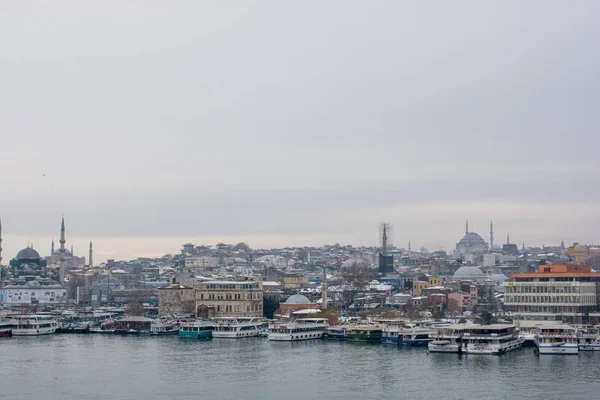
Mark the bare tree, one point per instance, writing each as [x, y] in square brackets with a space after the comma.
[453, 307]
[356, 276]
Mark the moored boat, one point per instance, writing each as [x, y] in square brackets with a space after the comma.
[160, 328]
[365, 333]
[339, 332]
[33, 325]
[588, 339]
[5, 328]
[236, 328]
[492, 339]
[556, 339]
[300, 329]
[196, 330]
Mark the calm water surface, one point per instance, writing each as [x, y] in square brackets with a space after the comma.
[118, 367]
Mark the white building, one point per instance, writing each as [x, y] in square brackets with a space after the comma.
[33, 293]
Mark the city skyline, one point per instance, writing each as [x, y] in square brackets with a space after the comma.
[281, 124]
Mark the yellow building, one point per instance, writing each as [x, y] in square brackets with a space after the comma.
[435, 281]
[292, 281]
[418, 287]
[241, 298]
[581, 254]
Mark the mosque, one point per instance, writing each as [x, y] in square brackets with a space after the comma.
[32, 279]
[473, 243]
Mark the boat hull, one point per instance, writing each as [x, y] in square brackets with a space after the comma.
[415, 342]
[235, 335]
[443, 348]
[6, 332]
[566, 349]
[295, 337]
[33, 332]
[196, 335]
[389, 340]
[493, 349]
[589, 347]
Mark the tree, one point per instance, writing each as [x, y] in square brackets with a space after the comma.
[270, 305]
[356, 276]
[453, 307]
[241, 246]
[485, 318]
[424, 250]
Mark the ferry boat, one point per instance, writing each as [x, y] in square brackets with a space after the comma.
[235, 328]
[447, 339]
[493, 339]
[390, 335]
[196, 330]
[5, 328]
[33, 325]
[588, 339]
[160, 328]
[300, 329]
[365, 333]
[556, 339]
[339, 332]
[414, 337]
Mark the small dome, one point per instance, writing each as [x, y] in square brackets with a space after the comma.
[28, 254]
[297, 299]
[498, 278]
[468, 272]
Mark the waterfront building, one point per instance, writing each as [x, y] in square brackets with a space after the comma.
[33, 293]
[567, 293]
[176, 299]
[294, 304]
[241, 298]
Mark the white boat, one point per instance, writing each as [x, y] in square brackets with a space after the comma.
[588, 339]
[556, 339]
[236, 328]
[5, 328]
[33, 325]
[300, 329]
[492, 339]
[160, 328]
[447, 339]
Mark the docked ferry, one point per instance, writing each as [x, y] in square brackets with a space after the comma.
[300, 329]
[338, 332]
[493, 339]
[556, 339]
[33, 325]
[197, 330]
[588, 339]
[161, 328]
[5, 328]
[236, 328]
[365, 333]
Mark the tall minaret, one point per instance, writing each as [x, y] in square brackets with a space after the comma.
[91, 263]
[466, 227]
[0, 249]
[508, 238]
[324, 291]
[52, 249]
[72, 250]
[491, 235]
[61, 271]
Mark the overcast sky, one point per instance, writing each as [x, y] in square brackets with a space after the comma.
[297, 123]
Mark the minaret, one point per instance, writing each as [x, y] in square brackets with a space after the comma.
[324, 291]
[91, 263]
[0, 249]
[491, 235]
[52, 249]
[409, 249]
[508, 238]
[72, 250]
[523, 249]
[61, 271]
[466, 227]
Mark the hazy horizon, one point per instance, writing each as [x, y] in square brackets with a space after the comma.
[149, 125]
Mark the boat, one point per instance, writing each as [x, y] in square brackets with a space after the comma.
[197, 330]
[414, 337]
[390, 335]
[556, 339]
[365, 333]
[447, 339]
[494, 339]
[300, 329]
[339, 332]
[160, 328]
[588, 339]
[235, 328]
[5, 328]
[33, 325]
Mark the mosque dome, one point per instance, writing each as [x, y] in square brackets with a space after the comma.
[28, 254]
[471, 243]
[468, 272]
[297, 299]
